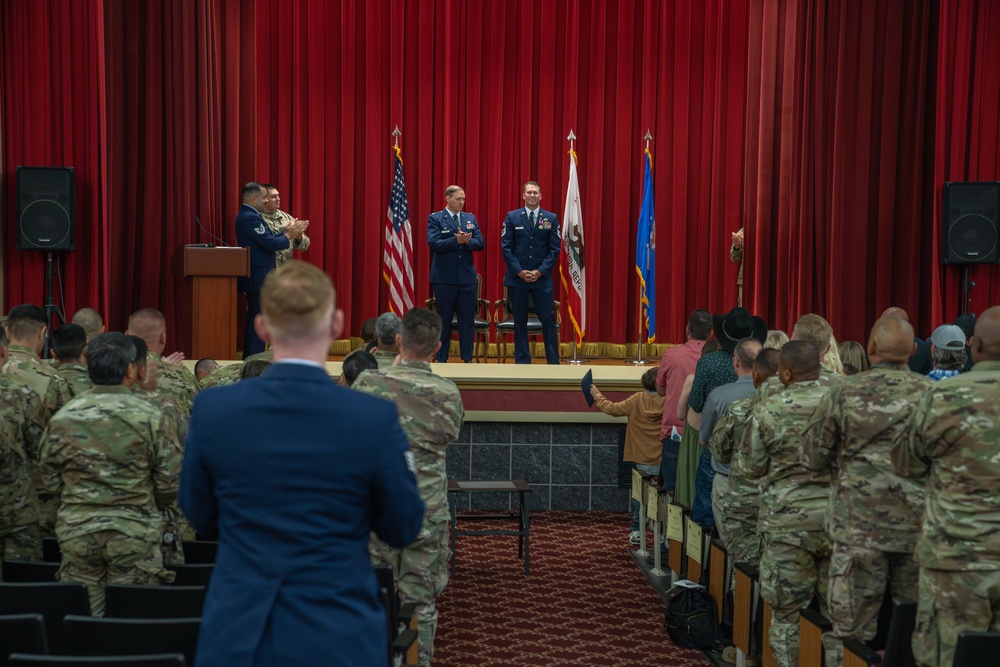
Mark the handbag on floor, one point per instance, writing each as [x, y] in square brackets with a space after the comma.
[690, 620]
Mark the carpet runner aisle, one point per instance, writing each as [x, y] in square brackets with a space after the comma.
[585, 602]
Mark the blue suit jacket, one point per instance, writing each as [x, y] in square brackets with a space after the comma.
[451, 261]
[527, 249]
[295, 472]
[252, 232]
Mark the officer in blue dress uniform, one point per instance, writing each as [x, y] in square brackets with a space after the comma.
[530, 242]
[453, 236]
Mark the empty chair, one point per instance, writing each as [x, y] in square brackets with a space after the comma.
[84, 635]
[50, 550]
[52, 600]
[22, 632]
[199, 552]
[158, 660]
[192, 574]
[29, 570]
[975, 649]
[133, 601]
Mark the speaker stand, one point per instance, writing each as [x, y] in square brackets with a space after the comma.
[50, 307]
[967, 286]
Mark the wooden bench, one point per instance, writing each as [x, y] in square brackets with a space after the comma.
[518, 486]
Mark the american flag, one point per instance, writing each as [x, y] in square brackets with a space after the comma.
[397, 270]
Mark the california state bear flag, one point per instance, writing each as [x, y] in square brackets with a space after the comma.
[571, 263]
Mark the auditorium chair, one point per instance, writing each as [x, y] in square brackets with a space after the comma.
[88, 636]
[196, 574]
[157, 660]
[50, 550]
[812, 625]
[22, 633]
[199, 552]
[975, 649]
[52, 600]
[29, 570]
[480, 323]
[898, 649]
[134, 601]
[401, 621]
[505, 326]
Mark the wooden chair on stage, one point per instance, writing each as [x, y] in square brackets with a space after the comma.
[505, 326]
[480, 325]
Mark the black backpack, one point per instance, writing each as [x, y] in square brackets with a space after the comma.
[690, 620]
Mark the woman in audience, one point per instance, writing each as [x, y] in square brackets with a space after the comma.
[776, 339]
[853, 356]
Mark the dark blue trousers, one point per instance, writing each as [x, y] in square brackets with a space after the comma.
[460, 299]
[545, 310]
[252, 344]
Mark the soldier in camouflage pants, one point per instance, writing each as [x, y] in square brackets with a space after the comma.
[874, 513]
[430, 413]
[953, 441]
[795, 561]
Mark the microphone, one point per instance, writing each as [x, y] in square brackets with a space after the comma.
[210, 234]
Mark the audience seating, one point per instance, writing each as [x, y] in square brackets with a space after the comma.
[196, 574]
[22, 632]
[812, 625]
[675, 553]
[480, 323]
[695, 539]
[403, 635]
[133, 601]
[898, 647]
[505, 326]
[87, 636]
[975, 649]
[29, 571]
[158, 660]
[50, 550]
[718, 576]
[52, 600]
[199, 552]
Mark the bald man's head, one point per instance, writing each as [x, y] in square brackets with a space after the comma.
[765, 366]
[798, 361]
[90, 320]
[986, 342]
[896, 311]
[891, 341]
[149, 325]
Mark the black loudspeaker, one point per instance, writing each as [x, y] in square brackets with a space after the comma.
[46, 207]
[969, 223]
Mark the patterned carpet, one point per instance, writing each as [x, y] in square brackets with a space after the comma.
[585, 602]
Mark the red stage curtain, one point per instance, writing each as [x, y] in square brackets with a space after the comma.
[838, 169]
[485, 94]
[53, 113]
[824, 128]
[967, 137]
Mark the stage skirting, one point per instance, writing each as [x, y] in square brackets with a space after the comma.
[531, 422]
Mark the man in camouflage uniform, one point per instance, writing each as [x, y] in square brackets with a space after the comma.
[953, 441]
[68, 343]
[387, 328]
[110, 459]
[230, 373]
[26, 327]
[21, 415]
[278, 221]
[430, 412]
[874, 513]
[173, 377]
[740, 506]
[90, 320]
[203, 368]
[795, 561]
[175, 526]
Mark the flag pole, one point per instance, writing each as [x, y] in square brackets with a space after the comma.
[572, 143]
[638, 355]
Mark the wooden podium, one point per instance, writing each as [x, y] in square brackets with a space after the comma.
[209, 298]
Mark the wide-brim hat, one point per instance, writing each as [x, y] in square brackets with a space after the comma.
[738, 324]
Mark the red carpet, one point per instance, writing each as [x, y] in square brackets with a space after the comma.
[584, 603]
